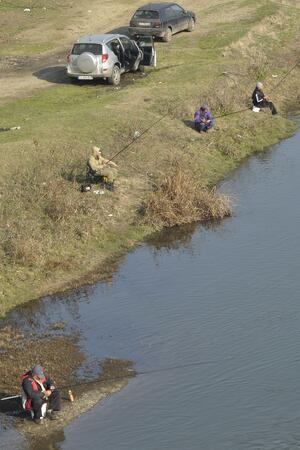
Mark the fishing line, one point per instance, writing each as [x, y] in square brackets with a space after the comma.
[197, 363]
[144, 372]
[133, 374]
[133, 140]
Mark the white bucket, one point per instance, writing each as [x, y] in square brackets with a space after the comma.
[255, 109]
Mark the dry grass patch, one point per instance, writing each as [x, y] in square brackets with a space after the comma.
[180, 199]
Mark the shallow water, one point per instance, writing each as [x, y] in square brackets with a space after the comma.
[226, 299]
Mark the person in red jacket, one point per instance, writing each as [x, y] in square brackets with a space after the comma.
[40, 394]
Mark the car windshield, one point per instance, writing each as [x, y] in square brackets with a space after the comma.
[96, 49]
[146, 14]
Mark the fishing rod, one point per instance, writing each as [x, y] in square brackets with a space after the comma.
[286, 75]
[10, 398]
[134, 139]
[131, 374]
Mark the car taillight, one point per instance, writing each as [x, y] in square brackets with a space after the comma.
[104, 57]
[156, 24]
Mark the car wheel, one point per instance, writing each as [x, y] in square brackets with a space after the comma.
[115, 77]
[168, 35]
[191, 25]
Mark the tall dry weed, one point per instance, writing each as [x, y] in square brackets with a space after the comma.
[180, 199]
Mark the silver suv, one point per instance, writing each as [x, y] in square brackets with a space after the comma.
[108, 56]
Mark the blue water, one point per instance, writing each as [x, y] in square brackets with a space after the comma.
[227, 298]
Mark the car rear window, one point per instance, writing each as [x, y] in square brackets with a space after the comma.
[146, 14]
[96, 49]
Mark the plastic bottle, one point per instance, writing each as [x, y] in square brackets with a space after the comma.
[71, 396]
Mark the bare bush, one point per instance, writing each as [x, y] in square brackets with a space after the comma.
[179, 199]
[20, 248]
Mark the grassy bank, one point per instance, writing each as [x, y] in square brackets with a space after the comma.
[52, 236]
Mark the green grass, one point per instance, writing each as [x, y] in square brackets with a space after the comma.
[226, 33]
[29, 49]
[52, 236]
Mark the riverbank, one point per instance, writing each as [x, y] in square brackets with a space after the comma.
[52, 236]
[62, 358]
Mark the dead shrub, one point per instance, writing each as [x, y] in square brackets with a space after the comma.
[179, 199]
[59, 206]
[22, 249]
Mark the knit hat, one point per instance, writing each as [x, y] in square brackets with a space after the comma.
[38, 371]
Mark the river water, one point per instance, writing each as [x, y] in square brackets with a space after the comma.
[222, 303]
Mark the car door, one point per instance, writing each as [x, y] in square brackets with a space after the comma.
[146, 44]
[131, 53]
[116, 47]
[170, 19]
[182, 19]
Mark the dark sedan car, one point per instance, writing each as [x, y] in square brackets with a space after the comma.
[161, 20]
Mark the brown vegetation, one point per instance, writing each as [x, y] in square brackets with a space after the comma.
[179, 198]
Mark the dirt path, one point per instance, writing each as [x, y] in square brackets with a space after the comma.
[22, 76]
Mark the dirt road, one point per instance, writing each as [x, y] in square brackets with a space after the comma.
[22, 74]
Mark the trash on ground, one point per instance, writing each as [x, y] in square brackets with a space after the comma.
[274, 75]
[136, 134]
[27, 10]
[110, 215]
[2, 129]
[99, 192]
[85, 188]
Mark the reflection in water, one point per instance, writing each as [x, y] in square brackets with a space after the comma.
[181, 237]
[38, 314]
[173, 239]
[225, 294]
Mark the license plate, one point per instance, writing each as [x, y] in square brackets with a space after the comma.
[144, 24]
[85, 77]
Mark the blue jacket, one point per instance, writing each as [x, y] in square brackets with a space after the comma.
[202, 116]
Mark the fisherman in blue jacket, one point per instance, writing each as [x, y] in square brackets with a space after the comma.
[203, 119]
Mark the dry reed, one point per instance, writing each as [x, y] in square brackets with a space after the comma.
[180, 199]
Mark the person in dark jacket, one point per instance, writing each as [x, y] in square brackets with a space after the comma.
[39, 394]
[260, 100]
[203, 119]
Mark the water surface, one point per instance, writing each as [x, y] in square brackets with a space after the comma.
[226, 299]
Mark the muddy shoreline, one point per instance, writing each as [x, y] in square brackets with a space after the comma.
[61, 357]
